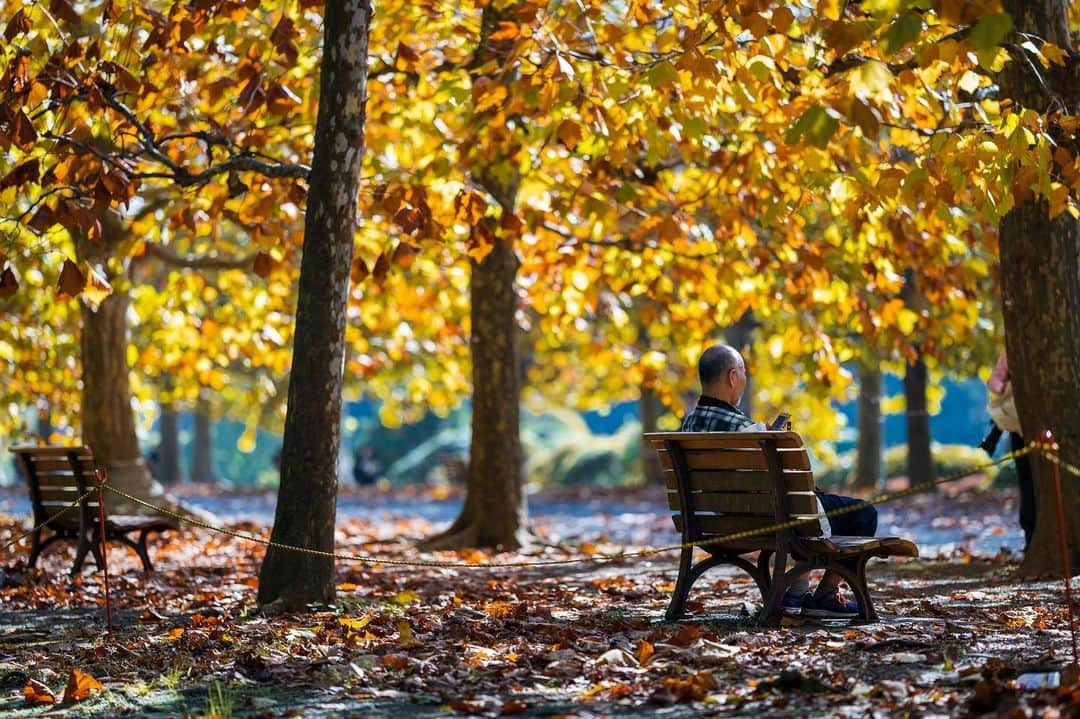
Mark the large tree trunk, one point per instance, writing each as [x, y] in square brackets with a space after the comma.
[495, 513]
[869, 464]
[307, 497]
[920, 463]
[202, 443]
[1040, 278]
[168, 451]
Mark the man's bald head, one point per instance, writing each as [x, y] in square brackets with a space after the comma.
[722, 373]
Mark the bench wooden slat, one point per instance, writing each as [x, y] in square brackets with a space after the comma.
[741, 480]
[745, 503]
[35, 453]
[717, 525]
[725, 440]
[740, 459]
[58, 465]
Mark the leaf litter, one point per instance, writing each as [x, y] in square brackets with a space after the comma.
[959, 636]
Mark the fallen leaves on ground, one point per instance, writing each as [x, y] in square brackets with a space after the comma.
[519, 641]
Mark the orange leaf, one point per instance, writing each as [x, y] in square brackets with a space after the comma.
[505, 31]
[80, 686]
[35, 693]
[404, 255]
[72, 280]
[685, 636]
[570, 133]
[8, 283]
[644, 652]
[263, 265]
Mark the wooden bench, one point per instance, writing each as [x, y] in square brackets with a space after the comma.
[57, 476]
[722, 483]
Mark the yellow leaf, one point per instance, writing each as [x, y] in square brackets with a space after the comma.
[406, 638]
[1053, 53]
[906, 320]
[872, 79]
[97, 287]
[407, 596]
[350, 623]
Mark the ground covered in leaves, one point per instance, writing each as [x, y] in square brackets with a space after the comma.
[960, 634]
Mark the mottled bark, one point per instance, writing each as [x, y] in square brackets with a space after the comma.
[202, 443]
[920, 463]
[869, 463]
[1040, 278]
[495, 512]
[307, 497]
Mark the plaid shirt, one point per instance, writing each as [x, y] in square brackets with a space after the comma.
[714, 415]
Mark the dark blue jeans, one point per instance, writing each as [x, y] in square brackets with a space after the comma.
[860, 522]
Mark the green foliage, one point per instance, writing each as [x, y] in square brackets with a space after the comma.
[948, 459]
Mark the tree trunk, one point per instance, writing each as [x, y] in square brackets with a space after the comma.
[495, 512]
[307, 497]
[168, 452]
[1040, 281]
[741, 336]
[869, 463]
[202, 443]
[920, 464]
[650, 408]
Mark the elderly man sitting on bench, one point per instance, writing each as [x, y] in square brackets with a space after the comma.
[722, 372]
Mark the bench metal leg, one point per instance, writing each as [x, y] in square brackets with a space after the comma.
[770, 614]
[853, 571]
[682, 585]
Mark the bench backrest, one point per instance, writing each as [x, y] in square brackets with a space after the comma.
[727, 482]
[56, 477]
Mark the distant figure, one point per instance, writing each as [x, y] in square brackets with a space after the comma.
[366, 468]
[1004, 418]
[723, 380]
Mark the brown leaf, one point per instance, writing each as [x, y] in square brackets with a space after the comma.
[408, 219]
[280, 100]
[18, 24]
[407, 53]
[382, 267]
[23, 133]
[686, 636]
[64, 11]
[42, 220]
[8, 283]
[513, 707]
[263, 264]
[359, 271]
[22, 173]
[80, 686]
[644, 652]
[72, 280]
[35, 693]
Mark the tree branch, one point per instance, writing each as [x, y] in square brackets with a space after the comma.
[210, 262]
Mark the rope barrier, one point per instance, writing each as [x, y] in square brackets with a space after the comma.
[39, 527]
[372, 559]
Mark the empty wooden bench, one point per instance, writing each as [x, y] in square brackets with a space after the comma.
[722, 483]
[57, 477]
